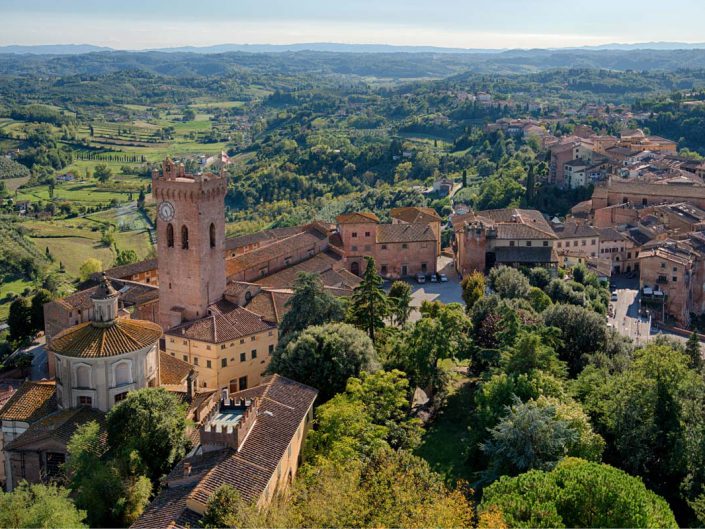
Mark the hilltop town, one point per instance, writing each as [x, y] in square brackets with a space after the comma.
[344, 303]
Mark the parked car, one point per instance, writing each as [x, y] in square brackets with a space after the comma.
[614, 297]
[420, 278]
[442, 278]
[434, 279]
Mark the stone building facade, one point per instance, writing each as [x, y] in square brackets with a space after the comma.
[191, 241]
[400, 249]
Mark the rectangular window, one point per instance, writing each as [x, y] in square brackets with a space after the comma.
[243, 357]
[675, 269]
[253, 338]
[120, 396]
[254, 354]
[185, 358]
[584, 242]
[242, 341]
[224, 362]
[222, 346]
[575, 243]
[354, 234]
[208, 364]
[511, 243]
[383, 270]
[84, 400]
[528, 243]
[367, 234]
[545, 243]
[675, 279]
[271, 348]
[195, 360]
[592, 242]
[242, 383]
[559, 244]
[404, 246]
[384, 247]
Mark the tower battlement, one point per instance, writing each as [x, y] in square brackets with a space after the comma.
[174, 183]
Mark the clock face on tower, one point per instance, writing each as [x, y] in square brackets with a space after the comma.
[166, 211]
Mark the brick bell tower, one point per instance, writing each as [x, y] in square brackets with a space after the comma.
[190, 241]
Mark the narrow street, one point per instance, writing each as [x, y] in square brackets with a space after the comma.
[626, 319]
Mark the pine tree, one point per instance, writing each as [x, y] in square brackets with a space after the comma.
[692, 349]
[369, 304]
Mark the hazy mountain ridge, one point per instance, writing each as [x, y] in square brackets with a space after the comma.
[335, 47]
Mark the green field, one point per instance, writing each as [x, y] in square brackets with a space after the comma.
[11, 287]
[72, 241]
[13, 183]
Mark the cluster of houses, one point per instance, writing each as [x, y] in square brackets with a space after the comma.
[201, 320]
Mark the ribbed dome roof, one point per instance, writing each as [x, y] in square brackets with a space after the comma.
[90, 341]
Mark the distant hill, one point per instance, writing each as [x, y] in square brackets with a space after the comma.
[54, 49]
[334, 47]
[388, 65]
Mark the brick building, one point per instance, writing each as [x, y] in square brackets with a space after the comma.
[400, 249]
[514, 237]
[252, 441]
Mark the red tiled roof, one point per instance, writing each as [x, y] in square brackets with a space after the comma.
[283, 406]
[225, 322]
[172, 371]
[359, 217]
[412, 215]
[289, 245]
[87, 340]
[31, 402]
[58, 426]
[390, 233]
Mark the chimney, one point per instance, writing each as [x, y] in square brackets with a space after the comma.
[191, 384]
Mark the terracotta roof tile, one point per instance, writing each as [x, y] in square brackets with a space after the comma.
[261, 256]
[225, 322]
[172, 371]
[87, 340]
[391, 233]
[357, 218]
[572, 230]
[59, 426]
[31, 402]
[121, 272]
[282, 408]
[412, 215]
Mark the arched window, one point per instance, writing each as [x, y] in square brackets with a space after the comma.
[212, 233]
[83, 377]
[184, 238]
[170, 235]
[123, 373]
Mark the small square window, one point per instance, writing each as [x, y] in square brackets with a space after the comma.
[404, 246]
[354, 234]
[367, 234]
[545, 243]
[384, 247]
[222, 346]
[528, 243]
[242, 340]
[252, 339]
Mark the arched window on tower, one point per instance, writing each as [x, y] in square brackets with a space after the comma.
[169, 235]
[184, 238]
[212, 234]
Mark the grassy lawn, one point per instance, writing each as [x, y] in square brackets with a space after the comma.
[14, 183]
[76, 192]
[445, 442]
[17, 287]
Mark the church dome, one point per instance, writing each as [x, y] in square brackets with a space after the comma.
[88, 340]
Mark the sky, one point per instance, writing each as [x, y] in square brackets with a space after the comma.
[142, 24]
